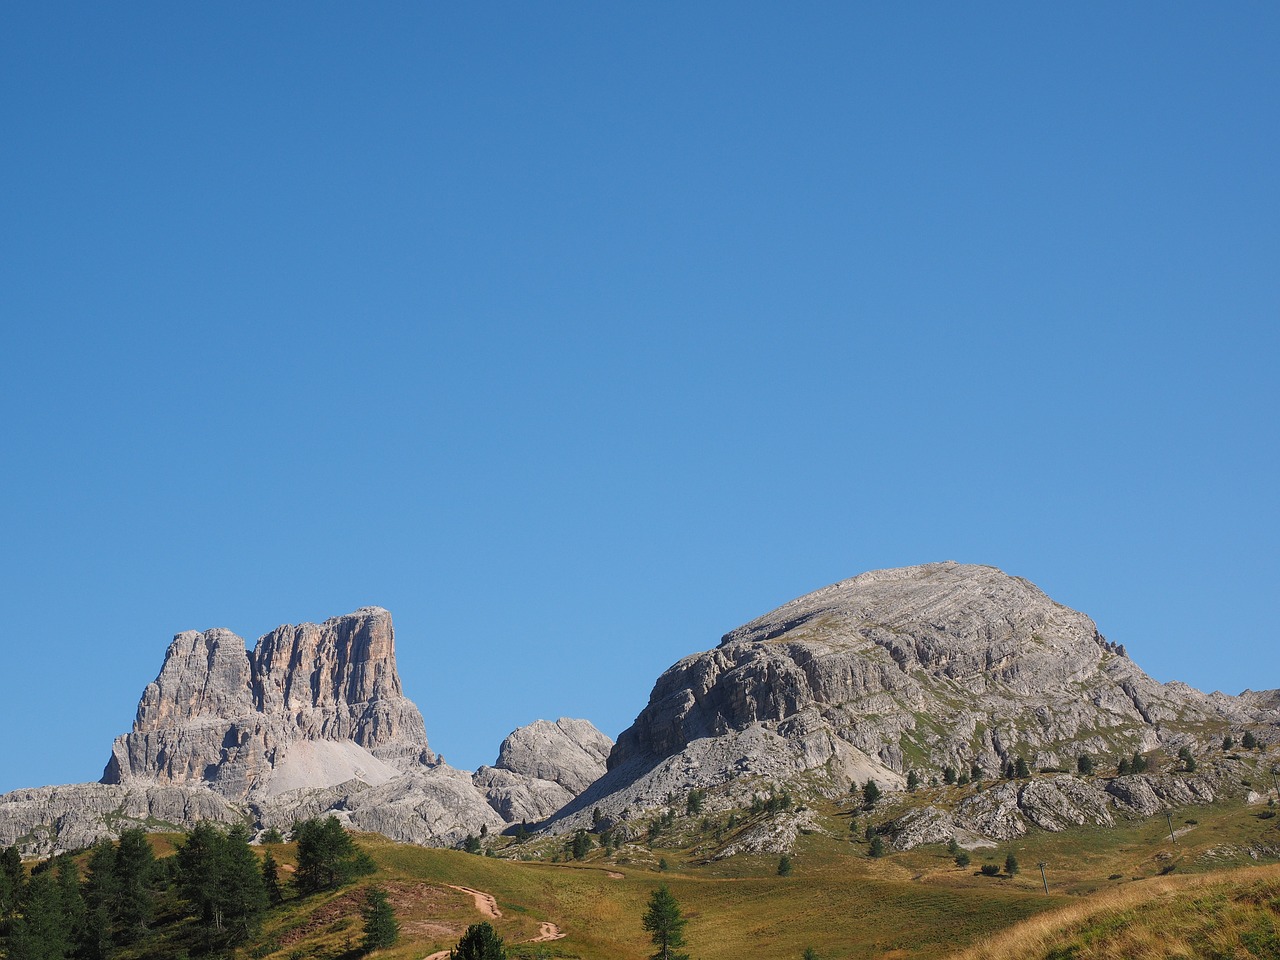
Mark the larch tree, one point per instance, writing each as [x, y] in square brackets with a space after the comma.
[665, 924]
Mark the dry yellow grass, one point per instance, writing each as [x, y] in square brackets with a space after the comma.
[1232, 914]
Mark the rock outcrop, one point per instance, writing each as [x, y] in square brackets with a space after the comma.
[312, 721]
[237, 720]
[543, 766]
[44, 820]
[917, 668]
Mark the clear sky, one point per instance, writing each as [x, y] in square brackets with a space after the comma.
[578, 334]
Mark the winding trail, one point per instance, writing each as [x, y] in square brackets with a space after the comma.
[487, 905]
[485, 902]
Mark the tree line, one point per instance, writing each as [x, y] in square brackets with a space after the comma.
[61, 912]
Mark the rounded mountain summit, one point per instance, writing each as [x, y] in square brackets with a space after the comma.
[917, 668]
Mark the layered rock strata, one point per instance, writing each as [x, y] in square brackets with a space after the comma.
[230, 718]
[312, 721]
[917, 668]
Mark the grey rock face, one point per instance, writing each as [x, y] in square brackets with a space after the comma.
[543, 766]
[312, 721]
[569, 752]
[49, 820]
[220, 715]
[921, 667]
[435, 806]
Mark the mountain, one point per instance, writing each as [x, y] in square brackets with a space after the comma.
[921, 669]
[945, 671]
[312, 720]
[311, 706]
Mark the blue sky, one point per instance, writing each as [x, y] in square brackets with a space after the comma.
[577, 335]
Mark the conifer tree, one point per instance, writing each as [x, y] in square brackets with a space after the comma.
[870, 793]
[10, 886]
[480, 942]
[271, 880]
[665, 924]
[41, 930]
[381, 929]
[135, 873]
[100, 898]
[327, 856]
[72, 899]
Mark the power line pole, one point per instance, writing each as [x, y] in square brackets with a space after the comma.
[1043, 878]
[1169, 816]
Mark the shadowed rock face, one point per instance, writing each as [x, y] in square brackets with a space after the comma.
[221, 715]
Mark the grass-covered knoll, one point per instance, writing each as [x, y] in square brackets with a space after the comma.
[1230, 914]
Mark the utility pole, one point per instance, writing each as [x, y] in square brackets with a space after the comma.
[1043, 879]
[1169, 816]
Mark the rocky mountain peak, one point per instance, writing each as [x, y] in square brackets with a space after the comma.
[917, 668]
[235, 719]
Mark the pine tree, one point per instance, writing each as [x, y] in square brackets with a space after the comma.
[870, 793]
[1248, 741]
[1020, 769]
[877, 846]
[1228, 742]
[580, 846]
[244, 895]
[666, 925]
[219, 875]
[135, 873]
[327, 856]
[10, 886]
[101, 897]
[949, 775]
[975, 773]
[381, 929]
[271, 880]
[1123, 769]
[40, 931]
[913, 781]
[1084, 764]
[962, 858]
[71, 899]
[784, 866]
[1011, 865]
[480, 942]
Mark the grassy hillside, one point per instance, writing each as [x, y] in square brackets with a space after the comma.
[837, 899]
[1131, 891]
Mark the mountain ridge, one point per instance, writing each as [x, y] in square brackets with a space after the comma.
[890, 674]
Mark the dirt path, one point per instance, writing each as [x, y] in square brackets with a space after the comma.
[485, 902]
[488, 905]
[546, 932]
